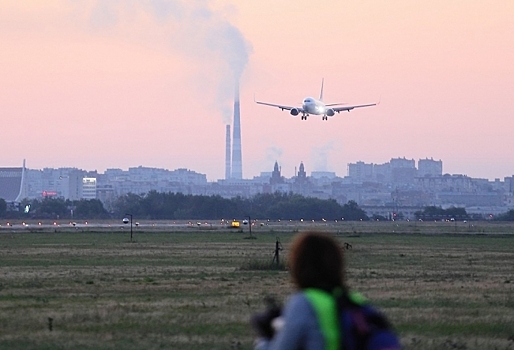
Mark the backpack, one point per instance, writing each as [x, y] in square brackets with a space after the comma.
[365, 328]
[361, 327]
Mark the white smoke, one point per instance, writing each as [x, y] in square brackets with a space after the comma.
[273, 154]
[320, 156]
[192, 29]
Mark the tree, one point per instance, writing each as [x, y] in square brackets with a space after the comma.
[3, 208]
[352, 211]
[438, 213]
[90, 209]
[508, 216]
[52, 208]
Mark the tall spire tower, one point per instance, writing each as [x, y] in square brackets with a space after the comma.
[227, 154]
[237, 164]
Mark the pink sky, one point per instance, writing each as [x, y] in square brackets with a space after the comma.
[117, 84]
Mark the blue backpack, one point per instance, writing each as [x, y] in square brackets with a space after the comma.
[365, 328]
[347, 322]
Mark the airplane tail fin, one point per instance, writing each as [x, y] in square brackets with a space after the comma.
[321, 93]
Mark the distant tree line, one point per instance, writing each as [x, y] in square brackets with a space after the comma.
[438, 213]
[157, 205]
[56, 208]
[177, 206]
[508, 216]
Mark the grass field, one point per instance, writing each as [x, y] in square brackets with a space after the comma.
[443, 285]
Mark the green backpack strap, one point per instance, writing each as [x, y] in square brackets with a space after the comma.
[324, 305]
[357, 298]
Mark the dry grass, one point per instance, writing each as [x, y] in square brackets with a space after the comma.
[189, 289]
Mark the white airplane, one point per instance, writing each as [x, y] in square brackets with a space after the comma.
[311, 105]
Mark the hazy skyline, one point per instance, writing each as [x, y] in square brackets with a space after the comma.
[96, 84]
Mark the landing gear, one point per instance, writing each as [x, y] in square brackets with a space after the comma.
[304, 117]
[324, 117]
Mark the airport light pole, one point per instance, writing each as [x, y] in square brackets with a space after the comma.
[249, 225]
[130, 225]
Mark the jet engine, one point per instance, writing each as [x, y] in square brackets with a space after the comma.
[295, 111]
[330, 112]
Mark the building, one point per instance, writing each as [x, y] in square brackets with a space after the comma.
[12, 184]
[360, 172]
[430, 167]
[88, 188]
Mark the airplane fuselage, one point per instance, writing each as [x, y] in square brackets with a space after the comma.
[313, 106]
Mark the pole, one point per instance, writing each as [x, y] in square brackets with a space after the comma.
[249, 225]
[130, 226]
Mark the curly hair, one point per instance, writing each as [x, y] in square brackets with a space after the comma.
[316, 261]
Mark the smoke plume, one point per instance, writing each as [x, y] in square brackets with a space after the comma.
[273, 154]
[191, 28]
[320, 156]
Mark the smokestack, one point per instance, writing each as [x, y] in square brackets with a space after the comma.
[237, 164]
[227, 154]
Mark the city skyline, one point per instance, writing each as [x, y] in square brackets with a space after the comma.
[398, 162]
[93, 85]
[379, 187]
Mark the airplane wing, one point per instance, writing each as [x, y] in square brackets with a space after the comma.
[349, 108]
[282, 107]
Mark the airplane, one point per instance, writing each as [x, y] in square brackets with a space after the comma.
[314, 106]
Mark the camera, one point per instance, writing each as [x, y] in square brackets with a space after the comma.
[265, 323]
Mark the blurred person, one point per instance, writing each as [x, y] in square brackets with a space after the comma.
[322, 313]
